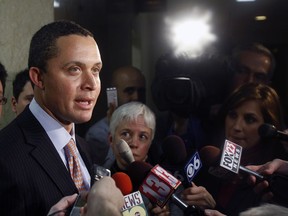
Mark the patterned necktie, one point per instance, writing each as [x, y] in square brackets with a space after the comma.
[74, 166]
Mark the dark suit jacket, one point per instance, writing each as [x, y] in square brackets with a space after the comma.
[32, 175]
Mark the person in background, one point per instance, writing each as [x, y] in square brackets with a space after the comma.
[22, 91]
[251, 62]
[42, 159]
[133, 122]
[247, 108]
[131, 86]
[3, 76]
[248, 63]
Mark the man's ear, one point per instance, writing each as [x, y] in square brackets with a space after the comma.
[13, 104]
[36, 77]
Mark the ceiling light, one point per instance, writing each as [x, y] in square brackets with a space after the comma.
[260, 18]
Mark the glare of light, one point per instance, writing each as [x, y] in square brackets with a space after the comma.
[260, 18]
[56, 4]
[190, 35]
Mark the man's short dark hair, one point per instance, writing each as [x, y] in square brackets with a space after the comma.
[255, 48]
[3, 76]
[19, 82]
[43, 44]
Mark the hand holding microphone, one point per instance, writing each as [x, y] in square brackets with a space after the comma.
[198, 196]
[276, 183]
[104, 192]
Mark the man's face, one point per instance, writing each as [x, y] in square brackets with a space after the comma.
[71, 84]
[252, 67]
[25, 97]
[130, 87]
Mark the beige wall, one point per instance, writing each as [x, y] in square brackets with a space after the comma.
[19, 20]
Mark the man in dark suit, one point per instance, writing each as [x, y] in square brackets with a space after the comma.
[64, 65]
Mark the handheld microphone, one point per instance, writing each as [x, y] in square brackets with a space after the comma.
[211, 157]
[98, 172]
[123, 182]
[174, 151]
[175, 156]
[125, 151]
[221, 165]
[158, 185]
[270, 131]
[133, 202]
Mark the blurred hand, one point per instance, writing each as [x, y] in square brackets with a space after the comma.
[277, 165]
[198, 196]
[210, 212]
[104, 199]
[157, 211]
[59, 209]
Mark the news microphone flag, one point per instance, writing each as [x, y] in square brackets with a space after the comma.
[192, 167]
[231, 156]
[134, 205]
[159, 185]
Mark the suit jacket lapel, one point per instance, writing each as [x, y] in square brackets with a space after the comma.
[45, 154]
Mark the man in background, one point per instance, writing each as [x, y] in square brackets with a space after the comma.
[251, 62]
[22, 91]
[130, 84]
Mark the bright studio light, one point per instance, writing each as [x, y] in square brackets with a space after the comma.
[190, 35]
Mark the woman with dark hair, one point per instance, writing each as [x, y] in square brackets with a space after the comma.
[244, 111]
[247, 108]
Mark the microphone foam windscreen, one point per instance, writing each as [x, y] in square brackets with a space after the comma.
[210, 155]
[123, 182]
[174, 149]
[267, 131]
[138, 170]
[125, 151]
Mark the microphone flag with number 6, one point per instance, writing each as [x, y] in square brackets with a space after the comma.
[192, 167]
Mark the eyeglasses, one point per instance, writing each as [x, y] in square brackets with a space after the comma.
[3, 100]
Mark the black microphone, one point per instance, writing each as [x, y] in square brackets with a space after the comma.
[174, 155]
[270, 131]
[176, 162]
[174, 150]
[159, 186]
